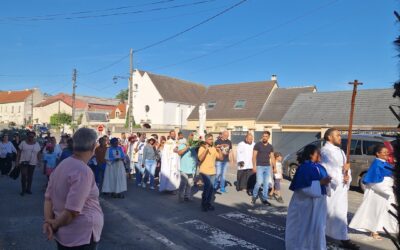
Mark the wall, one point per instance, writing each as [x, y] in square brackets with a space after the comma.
[8, 115]
[43, 114]
[175, 114]
[211, 126]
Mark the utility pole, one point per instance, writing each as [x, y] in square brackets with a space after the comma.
[73, 95]
[130, 94]
[33, 91]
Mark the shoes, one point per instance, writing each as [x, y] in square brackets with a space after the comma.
[223, 190]
[279, 199]
[347, 244]
[139, 184]
[152, 188]
[253, 200]
[187, 199]
[120, 196]
[210, 207]
[265, 202]
[204, 208]
[143, 185]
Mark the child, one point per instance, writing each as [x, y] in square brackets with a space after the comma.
[50, 160]
[278, 177]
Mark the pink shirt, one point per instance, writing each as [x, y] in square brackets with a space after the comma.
[72, 186]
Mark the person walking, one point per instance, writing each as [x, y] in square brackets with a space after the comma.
[149, 162]
[115, 176]
[306, 218]
[278, 177]
[334, 160]
[72, 212]
[100, 153]
[138, 148]
[207, 155]
[263, 158]
[131, 154]
[7, 152]
[373, 213]
[225, 145]
[27, 159]
[188, 167]
[169, 174]
[244, 161]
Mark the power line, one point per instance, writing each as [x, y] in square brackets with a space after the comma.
[308, 13]
[116, 13]
[190, 28]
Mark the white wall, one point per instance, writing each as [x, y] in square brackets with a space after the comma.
[43, 114]
[12, 112]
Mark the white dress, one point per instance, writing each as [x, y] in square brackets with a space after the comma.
[169, 173]
[114, 175]
[373, 214]
[305, 222]
[333, 159]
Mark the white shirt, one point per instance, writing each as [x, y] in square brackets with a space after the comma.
[6, 148]
[29, 152]
[244, 153]
[278, 167]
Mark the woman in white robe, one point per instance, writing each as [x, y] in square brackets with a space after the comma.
[306, 219]
[169, 173]
[373, 213]
[115, 175]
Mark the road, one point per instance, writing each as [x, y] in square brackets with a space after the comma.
[147, 219]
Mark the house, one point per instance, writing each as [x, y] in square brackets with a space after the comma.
[233, 106]
[163, 102]
[118, 115]
[62, 103]
[17, 106]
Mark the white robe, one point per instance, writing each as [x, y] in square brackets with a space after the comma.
[333, 159]
[306, 219]
[169, 173]
[373, 214]
[114, 176]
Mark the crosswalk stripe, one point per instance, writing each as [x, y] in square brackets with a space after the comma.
[217, 237]
[270, 229]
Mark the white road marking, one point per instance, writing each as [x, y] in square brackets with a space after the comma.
[270, 229]
[218, 237]
[145, 229]
[272, 211]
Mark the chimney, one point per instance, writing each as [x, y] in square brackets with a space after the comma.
[274, 78]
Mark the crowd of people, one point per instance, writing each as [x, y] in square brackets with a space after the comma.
[81, 167]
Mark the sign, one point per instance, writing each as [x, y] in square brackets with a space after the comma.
[100, 128]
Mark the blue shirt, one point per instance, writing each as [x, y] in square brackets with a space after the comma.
[50, 159]
[188, 160]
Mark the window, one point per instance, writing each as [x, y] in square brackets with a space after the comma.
[117, 114]
[369, 147]
[19, 109]
[239, 104]
[211, 104]
[355, 148]
[6, 109]
[12, 109]
[238, 128]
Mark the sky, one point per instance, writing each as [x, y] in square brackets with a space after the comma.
[311, 42]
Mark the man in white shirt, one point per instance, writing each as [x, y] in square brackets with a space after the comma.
[334, 160]
[244, 160]
[138, 159]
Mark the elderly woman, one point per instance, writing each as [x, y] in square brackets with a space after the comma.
[72, 211]
[115, 176]
[7, 151]
[373, 215]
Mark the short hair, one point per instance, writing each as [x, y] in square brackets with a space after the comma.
[180, 133]
[378, 148]
[208, 136]
[84, 140]
[172, 131]
[267, 132]
[102, 140]
[277, 154]
[329, 132]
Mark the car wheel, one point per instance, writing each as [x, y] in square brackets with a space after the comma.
[292, 171]
[361, 185]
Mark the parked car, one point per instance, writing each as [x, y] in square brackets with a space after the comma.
[361, 155]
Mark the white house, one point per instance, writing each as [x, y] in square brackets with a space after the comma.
[17, 106]
[163, 102]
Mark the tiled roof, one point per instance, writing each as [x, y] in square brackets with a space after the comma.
[122, 109]
[98, 100]
[96, 117]
[253, 93]
[176, 90]
[14, 96]
[103, 107]
[67, 99]
[333, 108]
[279, 102]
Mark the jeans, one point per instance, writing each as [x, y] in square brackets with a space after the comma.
[185, 187]
[150, 166]
[99, 174]
[26, 177]
[208, 189]
[5, 165]
[139, 170]
[221, 167]
[263, 173]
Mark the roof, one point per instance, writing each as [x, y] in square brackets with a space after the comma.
[122, 109]
[254, 93]
[99, 100]
[279, 102]
[103, 107]
[14, 96]
[67, 99]
[96, 117]
[333, 108]
[176, 90]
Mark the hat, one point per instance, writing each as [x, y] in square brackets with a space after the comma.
[132, 137]
[151, 138]
[114, 140]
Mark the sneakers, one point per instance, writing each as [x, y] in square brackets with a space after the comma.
[152, 188]
[253, 200]
[265, 202]
[278, 198]
[223, 190]
[143, 185]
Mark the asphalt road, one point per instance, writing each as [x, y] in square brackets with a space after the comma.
[147, 219]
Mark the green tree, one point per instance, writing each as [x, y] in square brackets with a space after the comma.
[60, 119]
[122, 95]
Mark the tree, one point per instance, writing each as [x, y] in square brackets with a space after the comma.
[60, 119]
[122, 95]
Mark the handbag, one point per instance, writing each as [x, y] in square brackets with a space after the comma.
[14, 174]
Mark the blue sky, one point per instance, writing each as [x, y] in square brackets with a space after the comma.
[314, 42]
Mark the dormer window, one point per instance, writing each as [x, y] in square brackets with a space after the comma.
[117, 114]
[240, 104]
[211, 104]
